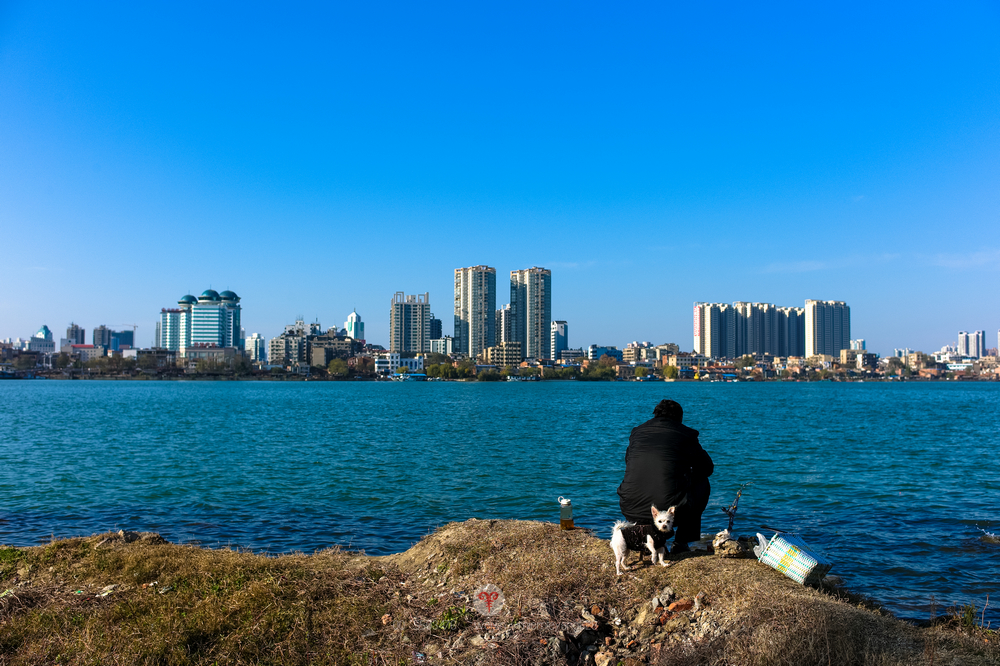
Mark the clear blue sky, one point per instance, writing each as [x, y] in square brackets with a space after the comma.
[317, 158]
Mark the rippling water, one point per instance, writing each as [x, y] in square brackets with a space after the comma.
[893, 482]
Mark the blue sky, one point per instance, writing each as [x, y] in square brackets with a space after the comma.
[317, 158]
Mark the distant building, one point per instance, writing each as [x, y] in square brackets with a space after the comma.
[902, 353]
[475, 309]
[972, 345]
[387, 363]
[559, 338]
[595, 352]
[724, 331]
[445, 345]
[504, 354]
[292, 346]
[212, 320]
[256, 348]
[77, 335]
[87, 352]
[531, 311]
[437, 331]
[828, 327]
[354, 327]
[101, 337]
[324, 348]
[410, 323]
[122, 339]
[504, 325]
[41, 342]
[572, 354]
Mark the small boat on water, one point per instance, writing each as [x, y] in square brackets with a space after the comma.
[410, 377]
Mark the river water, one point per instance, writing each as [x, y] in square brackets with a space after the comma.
[894, 483]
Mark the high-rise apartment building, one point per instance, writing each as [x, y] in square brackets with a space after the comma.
[354, 326]
[531, 311]
[101, 336]
[972, 345]
[828, 327]
[437, 328]
[410, 323]
[732, 331]
[504, 325]
[256, 348]
[475, 309]
[560, 338]
[76, 335]
[858, 345]
[212, 320]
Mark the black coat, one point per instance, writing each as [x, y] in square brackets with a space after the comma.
[663, 460]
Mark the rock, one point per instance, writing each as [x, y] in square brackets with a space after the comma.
[603, 658]
[589, 617]
[681, 605]
[721, 538]
[576, 631]
[631, 661]
[596, 610]
[654, 603]
[699, 601]
[667, 594]
[676, 624]
[641, 616]
[476, 641]
[386, 619]
[833, 581]
[730, 550]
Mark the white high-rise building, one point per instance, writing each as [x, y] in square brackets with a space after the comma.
[560, 338]
[212, 320]
[475, 309]
[256, 348]
[504, 325]
[410, 323]
[828, 327]
[972, 345]
[531, 311]
[858, 345]
[354, 326]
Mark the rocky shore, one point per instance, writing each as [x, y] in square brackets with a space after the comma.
[478, 592]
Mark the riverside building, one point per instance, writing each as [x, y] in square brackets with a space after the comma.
[531, 311]
[211, 320]
[475, 309]
[732, 331]
[410, 323]
[972, 345]
[354, 326]
[559, 338]
[828, 327]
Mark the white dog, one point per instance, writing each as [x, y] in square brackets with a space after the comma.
[629, 536]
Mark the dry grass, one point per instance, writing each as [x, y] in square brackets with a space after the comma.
[227, 607]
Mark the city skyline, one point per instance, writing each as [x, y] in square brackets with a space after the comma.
[651, 156]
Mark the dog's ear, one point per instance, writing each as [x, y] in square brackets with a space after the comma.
[671, 511]
[655, 512]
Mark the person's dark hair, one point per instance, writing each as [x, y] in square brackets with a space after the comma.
[670, 410]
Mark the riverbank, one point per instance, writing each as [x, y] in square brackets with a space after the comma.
[122, 598]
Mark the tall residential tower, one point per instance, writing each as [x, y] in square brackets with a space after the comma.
[410, 323]
[475, 309]
[531, 311]
[828, 327]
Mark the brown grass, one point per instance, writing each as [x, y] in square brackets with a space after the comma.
[334, 607]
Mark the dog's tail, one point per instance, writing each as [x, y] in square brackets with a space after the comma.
[622, 524]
